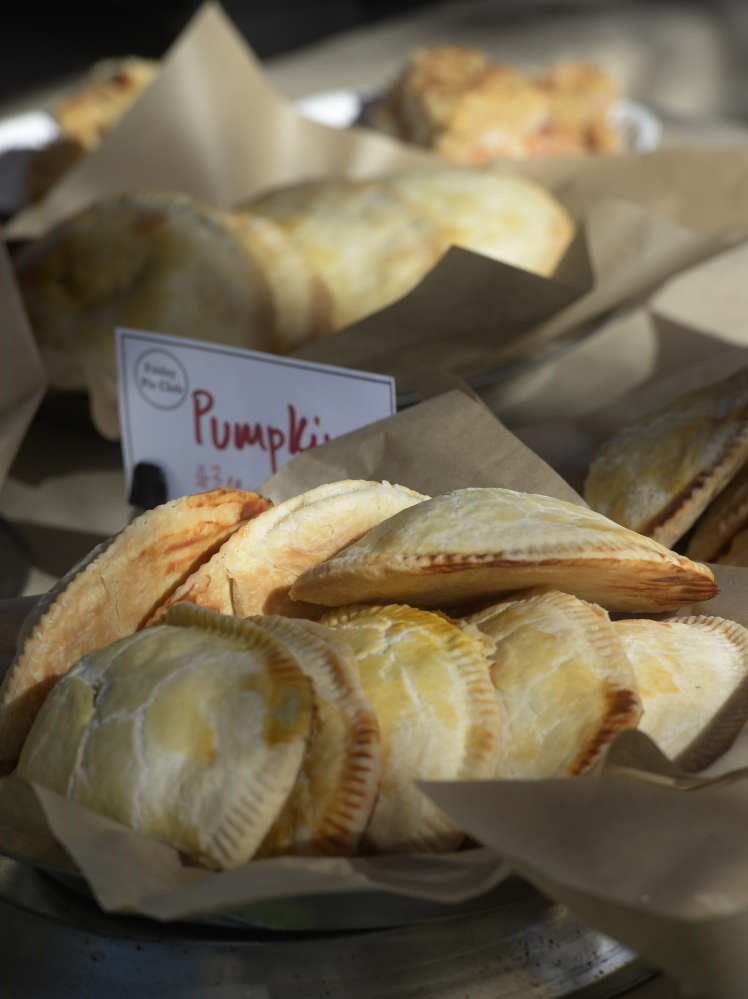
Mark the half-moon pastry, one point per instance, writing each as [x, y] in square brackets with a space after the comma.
[438, 717]
[368, 246]
[193, 731]
[717, 535]
[504, 216]
[475, 544]
[657, 475]
[332, 800]
[112, 593]
[302, 303]
[145, 260]
[254, 573]
[692, 675]
[564, 683]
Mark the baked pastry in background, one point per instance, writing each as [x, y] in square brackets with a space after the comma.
[364, 241]
[454, 100]
[85, 114]
[657, 475]
[147, 260]
[504, 216]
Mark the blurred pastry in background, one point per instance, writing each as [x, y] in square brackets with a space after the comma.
[85, 114]
[454, 100]
[98, 102]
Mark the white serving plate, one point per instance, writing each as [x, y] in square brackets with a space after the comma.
[638, 125]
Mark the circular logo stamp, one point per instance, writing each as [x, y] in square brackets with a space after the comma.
[161, 379]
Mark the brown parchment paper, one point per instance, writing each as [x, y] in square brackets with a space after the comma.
[22, 378]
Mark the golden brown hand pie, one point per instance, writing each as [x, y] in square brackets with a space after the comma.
[438, 717]
[106, 92]
[193, 731]
[254, 573]
[111, 594]
[145, 260]
[332, 800]
[504, 216]
[474, 544]
[692, 674]
[302, 303]
[657, 475]
[368, 246]
[719, 536]
[563, 681]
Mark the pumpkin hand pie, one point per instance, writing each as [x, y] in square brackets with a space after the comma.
[253, 574]
[332, 800]
[692, 675]
[657, 475]
[112, 593]
[193, 731]
[564, 683]
[472, 545]
[438, 717]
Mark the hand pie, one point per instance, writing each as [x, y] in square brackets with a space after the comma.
[193, 731]
[563, 681]
[367, 245]
[254, 573]
[111, 594]
[438, 717]
[333, 798]
[474, 544]
[146, 260]
[720, 535]
[692, 675]
[503, 216]
[657, 475]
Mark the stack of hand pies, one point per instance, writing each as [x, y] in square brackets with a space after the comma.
[284, 269]
[280, 686]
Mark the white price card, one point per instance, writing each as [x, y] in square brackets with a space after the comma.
[212, 415]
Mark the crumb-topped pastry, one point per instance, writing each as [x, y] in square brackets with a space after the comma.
[455, 100]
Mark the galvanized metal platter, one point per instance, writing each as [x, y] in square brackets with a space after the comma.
[55, 941]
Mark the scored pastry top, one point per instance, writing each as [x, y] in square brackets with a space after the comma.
[658, 474]
[473, 544]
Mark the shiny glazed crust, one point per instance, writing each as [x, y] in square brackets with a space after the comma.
[112, 594]
[657, 475]
[438, 717]
[332, 800]
[192, 731]
[144, 260]
[253, 574]
[564, 683]
[692, 675]
[368, 245]
[474, 544]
